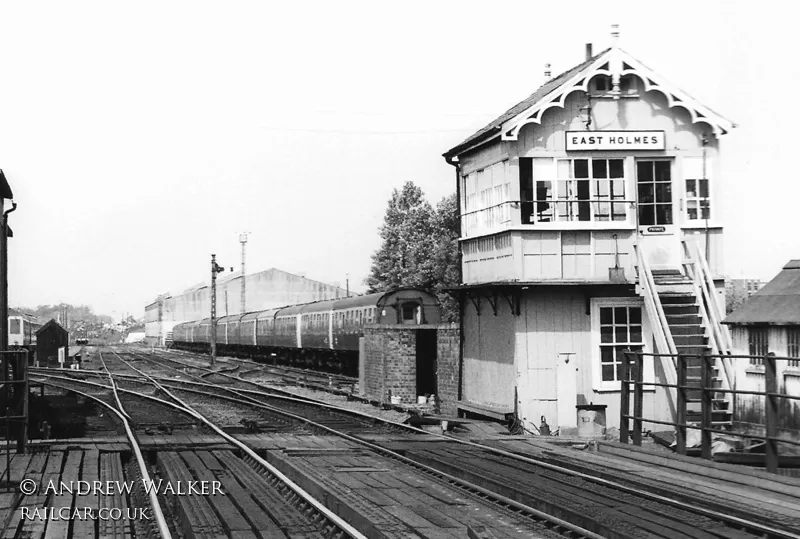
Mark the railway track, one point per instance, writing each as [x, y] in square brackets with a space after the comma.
[578, 495]
[550, 494]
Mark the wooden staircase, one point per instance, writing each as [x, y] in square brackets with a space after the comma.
[684, 321]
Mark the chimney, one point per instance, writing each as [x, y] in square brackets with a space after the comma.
[547, 73]
[614, 35]
[589, 51]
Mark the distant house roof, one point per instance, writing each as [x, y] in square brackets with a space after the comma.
[553, 93]
[50, 324]
[17, 312]
[778, 303]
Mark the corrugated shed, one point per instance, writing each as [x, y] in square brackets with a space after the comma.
[778, 303]
[494, 126]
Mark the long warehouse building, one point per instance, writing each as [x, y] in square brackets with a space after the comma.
[265, 290]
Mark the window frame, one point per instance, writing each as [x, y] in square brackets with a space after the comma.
[557, 200]
[598, 385]
[485, 208]
[793, 347]
[655, 203]
[752, 331]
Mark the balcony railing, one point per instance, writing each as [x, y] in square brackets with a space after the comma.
[552, 211]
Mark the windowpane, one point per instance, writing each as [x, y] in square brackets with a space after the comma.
[691, 188]
[581, 168]
[644, 171]
[606, 315]
[620, 334]
[647, 214]
[704, 188]
[615, 169]
[608, 373]
[620, 315]
[619, 212]
[606, 334]
[663, 192]
[664, 214]
[599, 168]
[662, 171]
[646, 193]
[564, 169]
[635, 315]
[636, 333]
[691, 209]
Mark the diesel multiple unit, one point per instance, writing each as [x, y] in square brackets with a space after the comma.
[323, 335]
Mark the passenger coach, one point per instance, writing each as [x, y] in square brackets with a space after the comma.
[323, 335]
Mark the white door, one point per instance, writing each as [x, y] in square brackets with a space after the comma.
[658, 233]
[566, 390]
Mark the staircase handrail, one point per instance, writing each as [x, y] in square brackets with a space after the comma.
[715, 310]
[662, 334]
[719, 338]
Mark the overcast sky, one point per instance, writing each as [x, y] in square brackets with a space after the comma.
[141, 137]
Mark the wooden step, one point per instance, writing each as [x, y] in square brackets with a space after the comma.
[680, 308]
[684, 320]
[673, 298]
[690, 340]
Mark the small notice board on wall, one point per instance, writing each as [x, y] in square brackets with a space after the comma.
[61, 356]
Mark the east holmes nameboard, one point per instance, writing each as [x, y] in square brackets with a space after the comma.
[615, 140]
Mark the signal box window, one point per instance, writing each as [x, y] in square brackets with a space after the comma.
[654, 182]
[697, 200]
[577, 190]
[620, 329]
[14, 326]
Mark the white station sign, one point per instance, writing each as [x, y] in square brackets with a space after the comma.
[615, 140]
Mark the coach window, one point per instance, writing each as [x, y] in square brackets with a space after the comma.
[13, 326]
[409, 313]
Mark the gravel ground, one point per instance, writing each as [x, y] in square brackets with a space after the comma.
[341, 401]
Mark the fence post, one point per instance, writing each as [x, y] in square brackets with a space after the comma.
[771, 405]
[625, 399]
[680, 420]
[638, 393]
[706, 405]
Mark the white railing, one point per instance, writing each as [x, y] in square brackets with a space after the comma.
[661, 332]
[710, 312]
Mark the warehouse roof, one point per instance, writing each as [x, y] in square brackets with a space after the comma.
[778, 303]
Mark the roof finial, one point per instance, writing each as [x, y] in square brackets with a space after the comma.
[614, 35]
[547, 73]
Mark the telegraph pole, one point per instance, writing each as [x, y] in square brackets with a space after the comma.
[243, 241]
[213, 337]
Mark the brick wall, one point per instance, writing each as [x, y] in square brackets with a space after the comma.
[391, 362]
[447, 361]
[391, 365]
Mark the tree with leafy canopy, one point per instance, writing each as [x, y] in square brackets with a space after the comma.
[419, 248]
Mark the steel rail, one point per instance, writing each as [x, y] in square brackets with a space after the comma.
[161, 521]
[531, 512]
[769, 531]
[327, 513]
